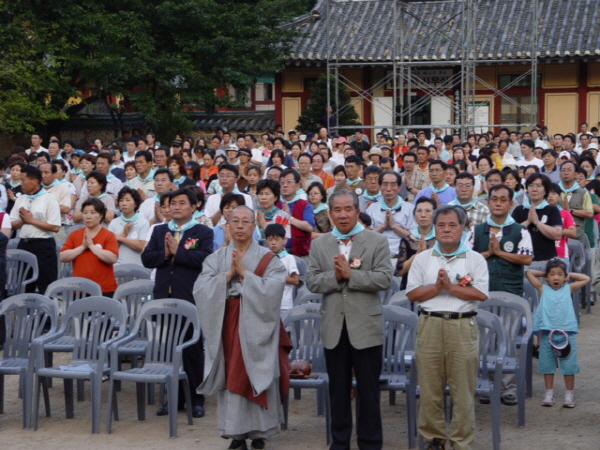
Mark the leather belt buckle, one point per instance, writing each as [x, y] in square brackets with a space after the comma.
[447, 316]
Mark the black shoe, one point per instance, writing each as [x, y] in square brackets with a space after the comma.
[164, 409]
[509, 399]
[198, 411]
[436, 444]
[258, 444]
[238, 444]
[484, 400]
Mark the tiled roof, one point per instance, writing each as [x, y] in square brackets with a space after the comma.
[362, 31]
[232, 120]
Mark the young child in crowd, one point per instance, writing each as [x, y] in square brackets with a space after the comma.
[276, 240]
[556, 312]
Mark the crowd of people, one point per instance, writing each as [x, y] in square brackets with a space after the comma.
[452, 218]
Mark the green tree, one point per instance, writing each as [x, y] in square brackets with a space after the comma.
[156, 56]
[314, 115]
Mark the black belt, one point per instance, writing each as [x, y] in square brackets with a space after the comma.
[37, 239]
[449, 315]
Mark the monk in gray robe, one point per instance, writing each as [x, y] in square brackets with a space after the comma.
[240, 319]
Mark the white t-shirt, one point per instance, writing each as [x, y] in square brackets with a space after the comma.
[138, 231]
[534, 162]
[45, 207]
[213, 202]
[287, 300]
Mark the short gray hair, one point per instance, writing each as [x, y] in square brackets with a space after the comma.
[460, 212]
[344, 192]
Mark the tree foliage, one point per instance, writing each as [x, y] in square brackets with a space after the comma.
[157, 56]
[314, 115]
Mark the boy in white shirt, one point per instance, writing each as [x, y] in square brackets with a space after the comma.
[276, 240]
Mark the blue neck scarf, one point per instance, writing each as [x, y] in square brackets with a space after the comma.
[569, 190]
[462, 248]
[186, 226]
[37, 194]
[110, 176]
[353, 232]
[156, 198]
[101, 196]
[270, 213]
[396, 207]
[63, 181]
[179, 180]
[132, 218]
[75, 171]
[527, 205]
[455, 202]
[197, 214]
[282, 254]
[371, 198]
[509, 221]
[321, 207]
[13, 185]
[432, 188]
[415, 232]
[352, 183]
[149, 177]
[48, 186]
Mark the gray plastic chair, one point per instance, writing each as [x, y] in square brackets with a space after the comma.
[27, 316]
[13, 243]
[400, 299]
[308, 297]
[133, 295]
[303, 323]
[67, 290]
[587, 289]
[577, 258]
[531, 294]
[398, 372]
[65, 269]
[517, 322]
[98, 322]
[130, 272]
[168, 322]
[21, 270]
[386, 295]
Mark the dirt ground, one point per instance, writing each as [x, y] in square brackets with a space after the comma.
[547, 428]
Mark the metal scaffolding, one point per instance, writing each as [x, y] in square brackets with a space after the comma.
[459, 90]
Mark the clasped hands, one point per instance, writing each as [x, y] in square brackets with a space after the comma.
[443, 283]
[237, 266]
[170, 245]
[341, 267]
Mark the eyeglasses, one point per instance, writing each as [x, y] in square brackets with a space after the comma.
[463, 186]
[536, 185]
[236, 222]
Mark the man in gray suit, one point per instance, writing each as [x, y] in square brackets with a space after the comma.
[349, 266]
